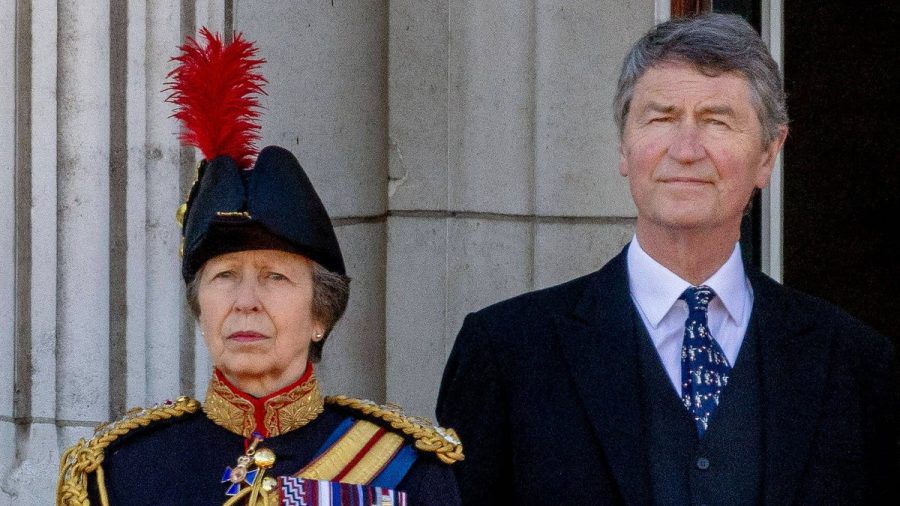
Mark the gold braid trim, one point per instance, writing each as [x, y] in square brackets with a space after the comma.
[444, 443]
[85, 457]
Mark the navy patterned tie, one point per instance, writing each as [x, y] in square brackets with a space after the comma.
[704, 366]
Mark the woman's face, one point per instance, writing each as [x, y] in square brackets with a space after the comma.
[256, 317]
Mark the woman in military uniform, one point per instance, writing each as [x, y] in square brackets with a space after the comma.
[266, 280]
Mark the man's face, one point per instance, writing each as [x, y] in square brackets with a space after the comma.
[692, 149]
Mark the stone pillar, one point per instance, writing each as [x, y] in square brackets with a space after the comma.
[503, 163]
[327, 72]
[164, 193]
[83, 221]
[130, 164]
[8, 138]
[84, 278]
[36, 444]
[464, 149]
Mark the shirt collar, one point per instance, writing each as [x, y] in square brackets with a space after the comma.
[656, 289]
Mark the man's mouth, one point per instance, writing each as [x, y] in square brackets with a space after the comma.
[685, 180]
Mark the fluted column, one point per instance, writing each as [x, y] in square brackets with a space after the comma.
[83, 217]
[35, 408]
[8, 204]
[164, 307]
[465, 151]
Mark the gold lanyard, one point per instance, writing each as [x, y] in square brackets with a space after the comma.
[261, 487]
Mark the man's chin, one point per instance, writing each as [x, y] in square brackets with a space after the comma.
[681, 221]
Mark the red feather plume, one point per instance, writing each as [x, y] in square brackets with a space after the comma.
[214, 89]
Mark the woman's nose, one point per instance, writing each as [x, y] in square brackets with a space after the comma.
[247, 296]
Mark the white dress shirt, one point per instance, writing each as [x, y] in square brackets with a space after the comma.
[655, 291]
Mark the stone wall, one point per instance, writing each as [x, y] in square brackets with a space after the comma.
[465, 150]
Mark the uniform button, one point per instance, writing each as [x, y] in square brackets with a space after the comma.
[703, 463]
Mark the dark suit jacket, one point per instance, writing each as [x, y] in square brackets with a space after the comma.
[544, 390]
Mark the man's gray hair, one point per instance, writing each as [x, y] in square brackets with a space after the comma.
[714, 44]
[331, 291]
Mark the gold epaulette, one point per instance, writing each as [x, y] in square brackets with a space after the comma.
[444, 443]
[85, 457]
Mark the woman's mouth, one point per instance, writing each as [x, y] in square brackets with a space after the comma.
[247, 336]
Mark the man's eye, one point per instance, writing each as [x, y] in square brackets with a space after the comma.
[276, 276]
[715, 122]
[224, 275]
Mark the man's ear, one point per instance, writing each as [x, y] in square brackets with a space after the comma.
[771, 154]
[623, 166]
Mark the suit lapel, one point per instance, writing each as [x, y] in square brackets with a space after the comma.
[792, 375]
[597, 341]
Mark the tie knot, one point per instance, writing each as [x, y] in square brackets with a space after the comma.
[698, 297]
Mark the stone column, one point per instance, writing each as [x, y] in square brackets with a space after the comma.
[8, 139]
[35, 408]
[327, 72]
[83, 220]
[464, 149]
[164, 193]
[503, 163]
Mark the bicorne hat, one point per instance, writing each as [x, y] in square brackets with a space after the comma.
[238, 203]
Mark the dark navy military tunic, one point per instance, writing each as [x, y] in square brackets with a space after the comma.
[182, 460]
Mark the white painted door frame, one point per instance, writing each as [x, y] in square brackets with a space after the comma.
[772, 212]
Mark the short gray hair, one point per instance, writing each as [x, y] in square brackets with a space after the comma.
[331, 291]
[714, 44]
[330, 294]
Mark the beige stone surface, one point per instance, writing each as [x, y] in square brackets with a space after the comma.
[416, 310]
[7, 211]
[327, 72]
[419, 113]
[464, 148]
[353, 359]
[491, 100]
[580, 46]
[567, 250]
[82, 212]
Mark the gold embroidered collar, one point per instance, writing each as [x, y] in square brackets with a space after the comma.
[290, 408]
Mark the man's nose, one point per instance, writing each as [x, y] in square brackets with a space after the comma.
[686, 146]
[247, 296]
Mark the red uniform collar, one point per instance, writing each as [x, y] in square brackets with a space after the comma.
[282, 411]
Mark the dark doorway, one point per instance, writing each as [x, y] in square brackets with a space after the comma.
[841, 160]
[842, 157]
[751, 10]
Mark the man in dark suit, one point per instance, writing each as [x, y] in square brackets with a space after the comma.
[675, 374]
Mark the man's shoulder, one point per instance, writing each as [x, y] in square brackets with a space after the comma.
[543, 303]
[536, 313]
[817, 316]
